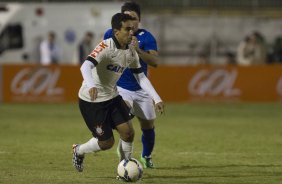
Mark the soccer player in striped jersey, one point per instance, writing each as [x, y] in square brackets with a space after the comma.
[141, 103]
[102, 108]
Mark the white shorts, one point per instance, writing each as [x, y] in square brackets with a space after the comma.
[142, 104]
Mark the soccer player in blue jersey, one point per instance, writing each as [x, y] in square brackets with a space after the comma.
[140, 102]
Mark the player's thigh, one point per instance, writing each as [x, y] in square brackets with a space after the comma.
[96, 117]
[120, 117]
[143, 106]
[126, 96]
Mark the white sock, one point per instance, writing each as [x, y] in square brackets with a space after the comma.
[89, 147]
[126, 149]
[120, 152]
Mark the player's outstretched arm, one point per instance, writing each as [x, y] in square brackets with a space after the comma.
[148, 87]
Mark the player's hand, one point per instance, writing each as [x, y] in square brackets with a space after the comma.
[135, 43]
[93, 93]
[160, 107]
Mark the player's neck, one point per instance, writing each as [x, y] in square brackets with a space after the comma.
[123, 47]
[119, 45]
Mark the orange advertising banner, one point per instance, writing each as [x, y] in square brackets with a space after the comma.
[35, 83]
[218, 83]
[55, 84]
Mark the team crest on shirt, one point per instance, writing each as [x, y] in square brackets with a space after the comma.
[99, 130]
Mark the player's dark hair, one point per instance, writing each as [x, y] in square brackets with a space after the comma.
[131, 6]
[118, 18]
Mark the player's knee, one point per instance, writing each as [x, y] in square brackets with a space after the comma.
[146, 124]
[128, 136]
[105, 145]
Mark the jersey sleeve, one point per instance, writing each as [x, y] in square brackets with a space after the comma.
[99, 53]
[135, 65]
[150, 42]
[85, 69]
[108, 34]
[147, 86]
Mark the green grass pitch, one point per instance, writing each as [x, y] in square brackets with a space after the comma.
[216, 143]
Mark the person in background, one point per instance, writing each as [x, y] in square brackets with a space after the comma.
[276, 51]
[85, 46]
[252, 50]
[49, 50]
[137, 99]
[229, 58]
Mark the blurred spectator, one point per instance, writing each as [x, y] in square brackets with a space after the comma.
[276, 51]
[229, 58]
[252, 50]
[85, 46]
[35, 52]
[203, 58]
[259, 37]
[49, 50]
[25, 57]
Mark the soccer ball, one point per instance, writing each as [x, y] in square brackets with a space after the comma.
[130, 170]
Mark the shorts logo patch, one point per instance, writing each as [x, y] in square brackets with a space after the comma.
[99, 130]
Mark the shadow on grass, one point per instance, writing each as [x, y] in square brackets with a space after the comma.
[189, 171]
[184, 167]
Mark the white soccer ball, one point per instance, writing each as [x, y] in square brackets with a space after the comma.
[130, 170]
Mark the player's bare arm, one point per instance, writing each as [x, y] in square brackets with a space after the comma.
[151, 57]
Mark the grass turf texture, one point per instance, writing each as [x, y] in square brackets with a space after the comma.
[195, 143]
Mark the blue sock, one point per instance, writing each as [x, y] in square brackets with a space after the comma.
[148, 141]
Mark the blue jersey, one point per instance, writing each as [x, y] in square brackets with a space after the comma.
[146, 42]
